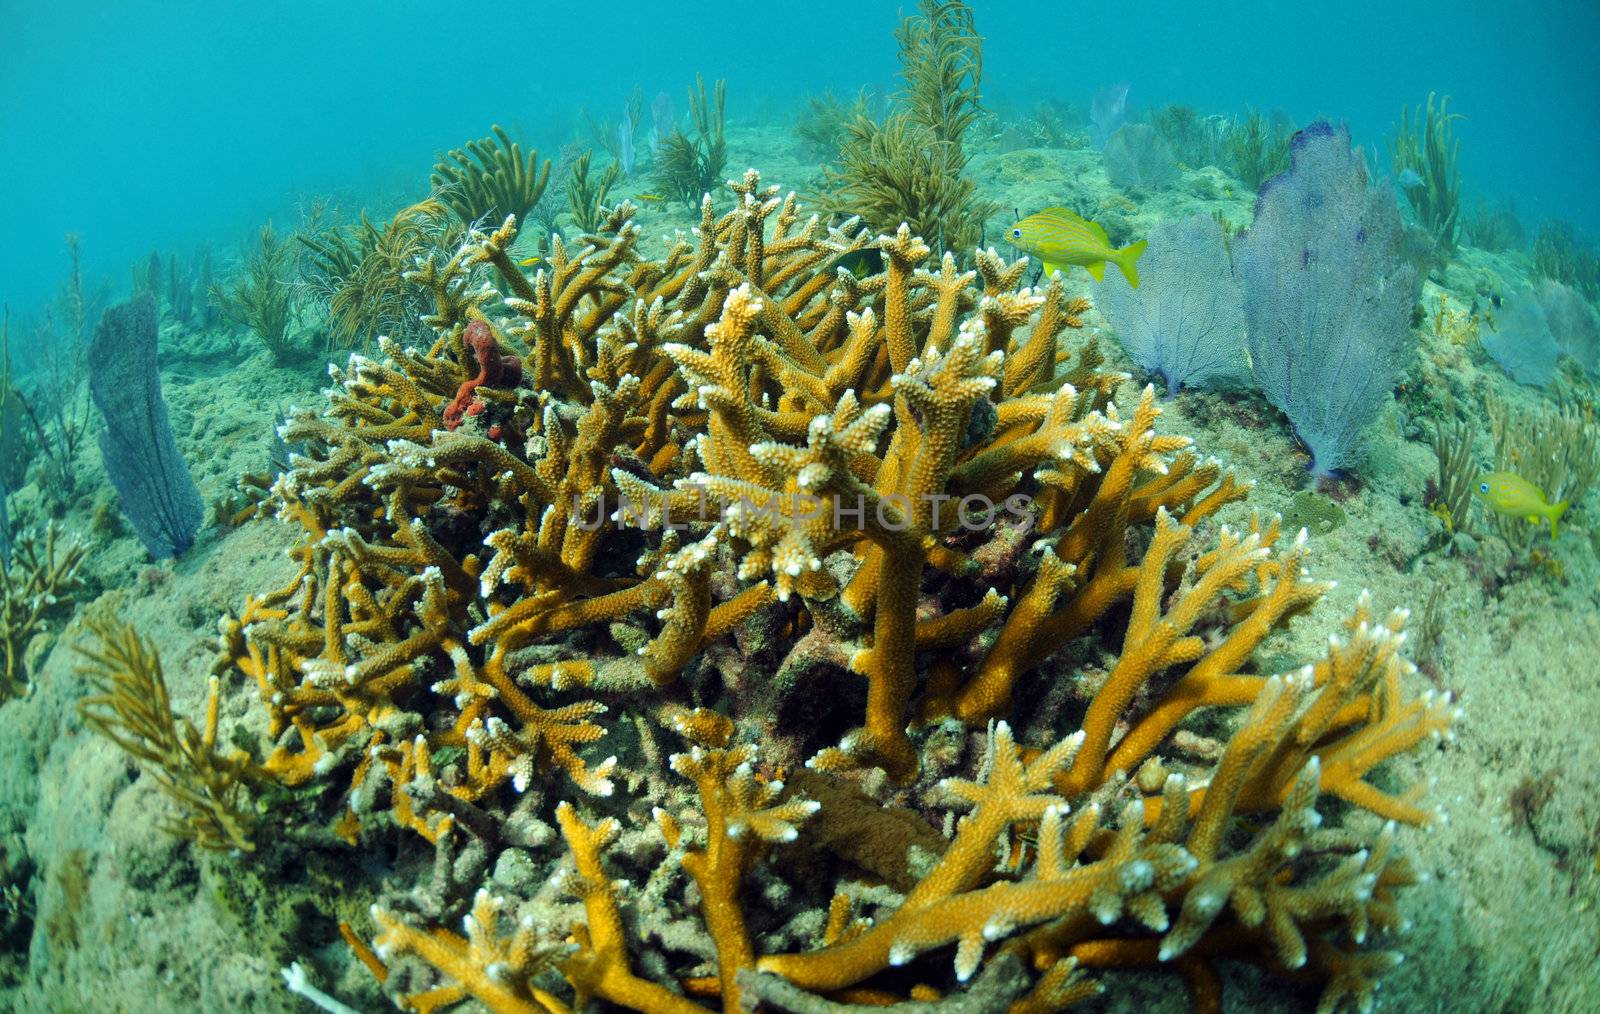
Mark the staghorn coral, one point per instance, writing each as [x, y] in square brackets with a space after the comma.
[848, 517]
[743, 814]
[493, 967]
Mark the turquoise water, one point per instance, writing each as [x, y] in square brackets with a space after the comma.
[161, 125]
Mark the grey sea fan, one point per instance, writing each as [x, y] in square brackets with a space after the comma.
[1521, 342]
[1572, 322]
[1186, 321]
[1138, 158]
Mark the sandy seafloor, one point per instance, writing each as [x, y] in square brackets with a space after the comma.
[126, 918]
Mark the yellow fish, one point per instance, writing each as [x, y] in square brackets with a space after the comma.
[1061, 237]
[653, 198]
[1510, 494]
[535, 262]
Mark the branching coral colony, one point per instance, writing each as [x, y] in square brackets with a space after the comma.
[734, 495]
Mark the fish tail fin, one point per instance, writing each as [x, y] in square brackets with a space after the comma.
[1556, 510]
[1128, 258]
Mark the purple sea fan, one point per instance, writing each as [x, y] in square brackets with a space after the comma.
[137, 446]
[1186, 322]
[1328, 294]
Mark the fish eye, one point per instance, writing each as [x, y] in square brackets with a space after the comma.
[1483, 487]
[1016, 233]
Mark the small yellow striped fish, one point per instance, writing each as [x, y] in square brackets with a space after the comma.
[1510, 494]
[652, 198]
[1061, 237]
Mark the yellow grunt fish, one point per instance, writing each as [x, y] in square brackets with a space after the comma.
[652, 198]
[1510, 494]
[1061, 237]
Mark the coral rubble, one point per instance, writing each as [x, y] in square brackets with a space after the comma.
[739, 495]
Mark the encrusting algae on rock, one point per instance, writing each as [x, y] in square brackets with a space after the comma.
[742, 496]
